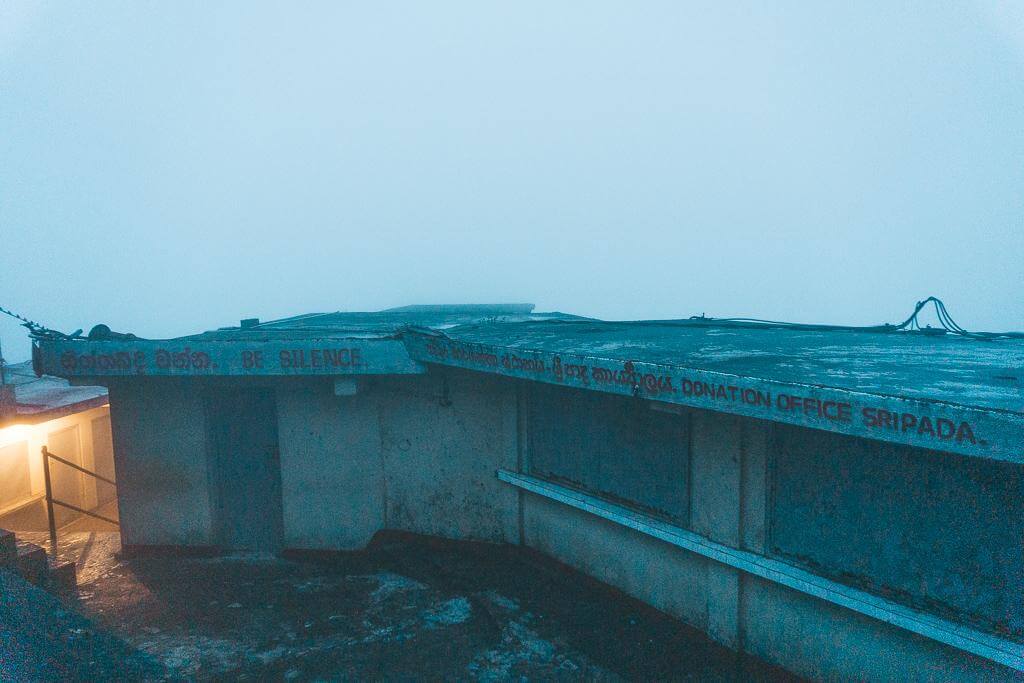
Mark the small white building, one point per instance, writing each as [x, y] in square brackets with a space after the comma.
[72, 422]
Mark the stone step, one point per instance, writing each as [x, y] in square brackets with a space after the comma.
[62, 578]
[8, 549]
[32, 563]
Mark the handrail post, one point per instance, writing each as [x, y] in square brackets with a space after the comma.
[49, 501]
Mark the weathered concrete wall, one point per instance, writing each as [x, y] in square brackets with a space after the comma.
[395, 455]
[612, 445]
[420, 454]
[821, 641]
[934, 528]
[653, 571]
[441, 450]
[701, 592]
[731, 503]
[160, 453]
[331, 469]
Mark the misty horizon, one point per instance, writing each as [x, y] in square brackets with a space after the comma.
[173, 169]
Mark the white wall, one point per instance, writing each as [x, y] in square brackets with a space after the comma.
[331, 471]
[440, 460]
[392, 456]
[160, 453]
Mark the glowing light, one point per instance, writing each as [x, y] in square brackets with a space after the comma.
[15, 433]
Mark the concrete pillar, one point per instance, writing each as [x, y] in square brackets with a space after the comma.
[754, 485]
[728, 504]
[716, 457]
[755, 445]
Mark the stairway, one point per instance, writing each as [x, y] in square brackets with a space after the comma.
[31, 562]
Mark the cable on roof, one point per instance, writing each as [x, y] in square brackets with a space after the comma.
[951, 325]
[911, 324]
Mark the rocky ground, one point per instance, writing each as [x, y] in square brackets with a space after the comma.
[405, 608]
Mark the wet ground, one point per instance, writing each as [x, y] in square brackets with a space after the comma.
[406, 608]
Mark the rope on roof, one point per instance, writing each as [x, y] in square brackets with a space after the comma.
[36, 330]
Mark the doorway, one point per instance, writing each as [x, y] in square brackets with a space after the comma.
[247, 465]
[68, 483]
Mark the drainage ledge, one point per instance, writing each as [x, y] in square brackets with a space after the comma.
[987, 646]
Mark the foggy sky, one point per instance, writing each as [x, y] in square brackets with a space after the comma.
[168, 168]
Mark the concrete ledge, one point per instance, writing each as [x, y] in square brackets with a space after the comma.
[1002, 651]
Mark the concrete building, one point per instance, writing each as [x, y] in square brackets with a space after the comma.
[845, 504]
[73, 422]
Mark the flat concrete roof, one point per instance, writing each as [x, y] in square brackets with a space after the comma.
[45, 398]
[384, 324]
[985, 374]
[938, 391]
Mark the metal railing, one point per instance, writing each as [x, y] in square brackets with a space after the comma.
[51, 501]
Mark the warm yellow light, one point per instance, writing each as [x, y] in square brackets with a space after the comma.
[15, 433]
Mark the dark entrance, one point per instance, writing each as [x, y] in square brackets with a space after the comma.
[243, 426]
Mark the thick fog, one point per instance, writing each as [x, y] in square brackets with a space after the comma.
[167, 168]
